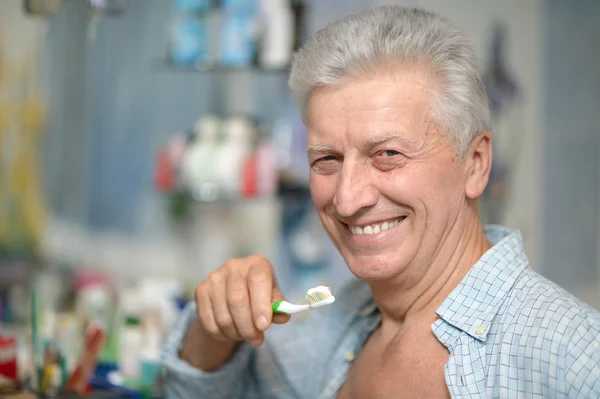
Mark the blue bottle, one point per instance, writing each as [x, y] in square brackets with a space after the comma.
[237, 44]
[189, 39]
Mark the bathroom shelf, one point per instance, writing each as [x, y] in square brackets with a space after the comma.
[172, 67]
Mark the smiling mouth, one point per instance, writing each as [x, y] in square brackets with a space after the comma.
[374, 228]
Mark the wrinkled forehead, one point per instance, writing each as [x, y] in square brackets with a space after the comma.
[368, 110]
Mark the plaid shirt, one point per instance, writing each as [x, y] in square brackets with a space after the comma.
[510, 333]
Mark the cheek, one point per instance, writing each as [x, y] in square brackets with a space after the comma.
[421, 185]
[401, 186]
[322, 189]
[446, 190]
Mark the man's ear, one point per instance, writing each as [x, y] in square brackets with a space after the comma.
[478, 164]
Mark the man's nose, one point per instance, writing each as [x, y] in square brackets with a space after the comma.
[355, 189]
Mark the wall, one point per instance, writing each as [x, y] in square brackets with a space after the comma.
[20, 35]
[571, 147]
[21, 127]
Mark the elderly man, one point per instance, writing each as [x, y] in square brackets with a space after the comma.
[399, 150]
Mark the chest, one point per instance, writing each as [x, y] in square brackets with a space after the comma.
[410, 368]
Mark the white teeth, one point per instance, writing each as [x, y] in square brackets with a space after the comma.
[356, 230]
[374, 229]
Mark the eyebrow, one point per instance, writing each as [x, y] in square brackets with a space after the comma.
[319, 148]
[385, 138]
[323, 148]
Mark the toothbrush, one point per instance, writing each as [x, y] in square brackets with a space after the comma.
[316, 297]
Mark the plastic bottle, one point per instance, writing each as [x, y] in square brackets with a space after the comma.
[237, 47]
[238, 33]
[130, 334]
[232, 155]
[266, 169]
[189, 37]
[197, 166]
[150, 366]
[130, 347]
[278, 34]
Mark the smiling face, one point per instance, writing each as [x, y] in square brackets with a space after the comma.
[387, 184]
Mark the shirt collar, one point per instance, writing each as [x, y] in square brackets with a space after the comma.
[474, 303]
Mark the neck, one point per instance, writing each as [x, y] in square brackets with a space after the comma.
[417, 293]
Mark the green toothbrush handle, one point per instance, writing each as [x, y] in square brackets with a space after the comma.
[275, 307]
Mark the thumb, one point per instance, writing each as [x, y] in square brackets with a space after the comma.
[279, 318]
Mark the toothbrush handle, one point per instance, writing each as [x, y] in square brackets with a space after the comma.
[276, 305]
[285, 307]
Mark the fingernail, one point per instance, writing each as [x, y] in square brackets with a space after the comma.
[256, 343]
[262, 323]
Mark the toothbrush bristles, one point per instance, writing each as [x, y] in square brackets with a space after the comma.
[317, 297]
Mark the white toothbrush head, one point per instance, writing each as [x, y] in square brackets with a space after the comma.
[319, 296]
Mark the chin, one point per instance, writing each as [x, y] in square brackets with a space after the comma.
[374, 267]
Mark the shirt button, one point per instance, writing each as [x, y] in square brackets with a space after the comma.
[480, 329]
[349, 356]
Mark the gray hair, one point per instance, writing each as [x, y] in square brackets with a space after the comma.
[357, 45]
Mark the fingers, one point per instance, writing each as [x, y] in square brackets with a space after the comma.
[220, 307]
[205, 312]
[234, 302]
[260, 284]
[279, 318]
[238, 301]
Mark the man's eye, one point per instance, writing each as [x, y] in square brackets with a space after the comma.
[390, 153]
[326, 165]
[328, 158]
[389, 159]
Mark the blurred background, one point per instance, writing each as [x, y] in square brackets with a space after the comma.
[144, 142]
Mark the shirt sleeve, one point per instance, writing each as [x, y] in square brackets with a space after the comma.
[184, 381]
[582, 374]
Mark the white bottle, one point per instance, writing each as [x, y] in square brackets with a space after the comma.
[197, 171]
[130, 334]
[130, 348]
[232, 155]
[278, 34]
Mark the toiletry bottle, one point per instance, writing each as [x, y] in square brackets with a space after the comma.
[238, 33]
[150, 366]
[266, 169]
[277, 42]
[238, 134]
[189, 38]
[130, 347]
[197, 165]
[130, 333]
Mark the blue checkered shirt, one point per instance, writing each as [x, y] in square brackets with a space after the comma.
[510, 333]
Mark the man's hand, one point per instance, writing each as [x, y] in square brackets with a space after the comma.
[234, 304]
